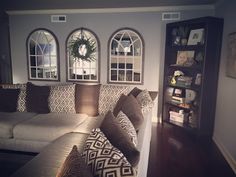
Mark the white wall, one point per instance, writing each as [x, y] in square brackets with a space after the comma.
[148, 24]
[225, 120]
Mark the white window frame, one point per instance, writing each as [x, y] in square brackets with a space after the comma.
[129, 56]
[47, 65]
[79, 67]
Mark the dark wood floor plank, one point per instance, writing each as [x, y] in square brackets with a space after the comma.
[175, 153]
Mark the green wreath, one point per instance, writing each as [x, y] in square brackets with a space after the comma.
[84, 49]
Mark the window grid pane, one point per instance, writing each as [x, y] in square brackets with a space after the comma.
[78, 68]
[125, 61]
[42, 55]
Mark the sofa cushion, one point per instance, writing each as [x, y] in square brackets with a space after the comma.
[130, 106]
[21, 103]
[90, 123]
[62, 98]
[109, 95]
[119, 138]
[9, 120]
[104, 159]
[8, 99]
[47, 127]
[86, 99]
[37, 98]
[71, 166]
[49, 160]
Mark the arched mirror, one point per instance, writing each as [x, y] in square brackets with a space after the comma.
[126, 57]
[82, 56]
[42, 49]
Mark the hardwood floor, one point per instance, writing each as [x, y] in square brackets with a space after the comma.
[173, 153]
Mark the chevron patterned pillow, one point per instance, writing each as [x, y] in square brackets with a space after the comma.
[104, 159]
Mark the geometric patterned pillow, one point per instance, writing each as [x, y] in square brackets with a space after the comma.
[109, 95]
[105, 160]
[21, 103]
[128, 127]
[62, 98]
[145, 101]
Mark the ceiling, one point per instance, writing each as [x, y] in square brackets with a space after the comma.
[89, 4]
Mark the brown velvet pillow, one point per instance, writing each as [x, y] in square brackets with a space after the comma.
[130, 106]
[135, 91]
[86, 99]
[37, 98]
[71, 166]
[8, 99]
[119, 104]
[119, 138]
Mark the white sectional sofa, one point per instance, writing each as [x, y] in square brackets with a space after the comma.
[53, 134]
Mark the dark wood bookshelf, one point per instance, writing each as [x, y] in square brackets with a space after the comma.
[199, 61]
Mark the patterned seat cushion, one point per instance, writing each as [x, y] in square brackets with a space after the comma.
[109, 95]
[62, 98]
[104, 159]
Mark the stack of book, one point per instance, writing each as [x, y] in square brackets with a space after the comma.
[177, 116]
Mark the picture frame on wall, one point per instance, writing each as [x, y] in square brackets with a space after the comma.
[196, 37]
[231, 56]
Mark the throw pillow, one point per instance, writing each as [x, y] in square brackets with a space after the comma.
[8, 99]
[135, 91]
[111, 127]
[104, 159]
[62, 98]
[21, 103]
[109, 95]
[119, 104]
[71, 166]
[145, 101]
[130, 106]
[37, 98]
[128, 127]
[86, 99]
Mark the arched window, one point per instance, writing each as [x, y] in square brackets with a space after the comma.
[43, 60]
[83, 56]
[126, 57]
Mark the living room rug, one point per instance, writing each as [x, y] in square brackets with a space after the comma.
[12, 161]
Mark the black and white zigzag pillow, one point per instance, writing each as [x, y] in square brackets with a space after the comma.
[104, 159]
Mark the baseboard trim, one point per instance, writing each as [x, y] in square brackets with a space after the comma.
[228, 157]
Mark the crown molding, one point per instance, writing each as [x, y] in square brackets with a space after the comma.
[111, 10]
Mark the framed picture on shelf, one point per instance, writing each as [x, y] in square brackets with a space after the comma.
[185, 58]
[231, 56]
[196, 36]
